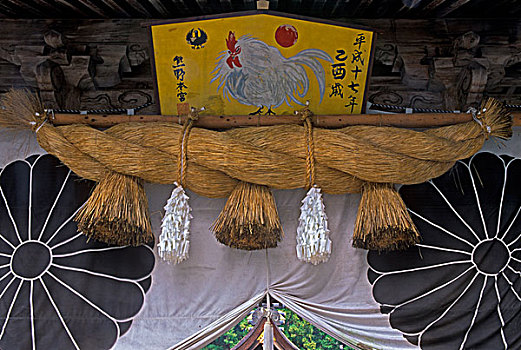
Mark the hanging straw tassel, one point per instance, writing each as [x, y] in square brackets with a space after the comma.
[249, 219]
[383, 222]
[313, 243]
[21, 110]
[117, 212]
[174, 241]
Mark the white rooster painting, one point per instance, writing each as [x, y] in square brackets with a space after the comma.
[257, 74]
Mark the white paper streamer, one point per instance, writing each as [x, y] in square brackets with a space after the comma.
[313, 243]
[174, 240]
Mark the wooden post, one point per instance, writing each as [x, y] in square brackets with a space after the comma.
[416, 120]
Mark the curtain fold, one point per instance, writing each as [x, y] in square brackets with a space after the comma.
[341, 325]
[217, 328]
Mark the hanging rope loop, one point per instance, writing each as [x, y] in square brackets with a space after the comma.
[307, 116]
[183, 143]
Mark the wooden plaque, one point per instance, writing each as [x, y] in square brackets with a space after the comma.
[261, 63]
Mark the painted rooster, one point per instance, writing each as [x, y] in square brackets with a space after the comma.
[256, 74]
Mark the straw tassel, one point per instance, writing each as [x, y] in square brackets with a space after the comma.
[20, 109]
[174, 241]
[117, 212]
[313, 243]
[249, 219]
[383, 222]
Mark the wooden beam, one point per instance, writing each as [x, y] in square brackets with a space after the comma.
[432, 5]
[203, 6]
[452, 7]
[139, 7]
[42, 6]
[66, 3]
[362, 7]
[7, 10]
[159, 7]
[416, 120]
[22, 5]
[88, 4]
[335, 9]
[118, 10]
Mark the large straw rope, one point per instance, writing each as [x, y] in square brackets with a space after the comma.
[272, 156]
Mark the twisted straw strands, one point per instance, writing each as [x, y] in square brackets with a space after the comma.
[272, 156]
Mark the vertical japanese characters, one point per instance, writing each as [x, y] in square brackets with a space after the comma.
[178, 69]
[347, 72]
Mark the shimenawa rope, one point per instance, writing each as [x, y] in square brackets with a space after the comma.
[276, 156]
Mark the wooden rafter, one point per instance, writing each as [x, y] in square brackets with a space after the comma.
[452, 7]
[317, 8]
[363, 5]
[116, 9]
[181, 7]
[140, 8]
[158, 5]
[433, 4]
[42, 6]
[90, 6]
[6, 10]
[68, 5]
[25, 7]
[203, 6]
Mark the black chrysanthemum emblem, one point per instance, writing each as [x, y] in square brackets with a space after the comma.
[58, 291]
[460, 288]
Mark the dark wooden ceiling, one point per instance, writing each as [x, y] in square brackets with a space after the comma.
[315, 8]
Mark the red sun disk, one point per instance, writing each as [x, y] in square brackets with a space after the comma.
[286, 35]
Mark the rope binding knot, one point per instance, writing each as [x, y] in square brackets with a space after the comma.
[194, 114]
[40, 118]
[479, 118]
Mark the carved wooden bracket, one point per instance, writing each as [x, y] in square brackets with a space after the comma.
[423, 65]
[471, 85]
[63, 72]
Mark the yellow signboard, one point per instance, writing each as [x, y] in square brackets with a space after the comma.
[261, 64]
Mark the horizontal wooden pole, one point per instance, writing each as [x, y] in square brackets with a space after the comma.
[415, 120]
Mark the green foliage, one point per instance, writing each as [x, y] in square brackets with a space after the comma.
[231, 338]
[305, 336]
[300, 332]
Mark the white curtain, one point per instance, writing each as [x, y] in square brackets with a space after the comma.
[193, 303]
